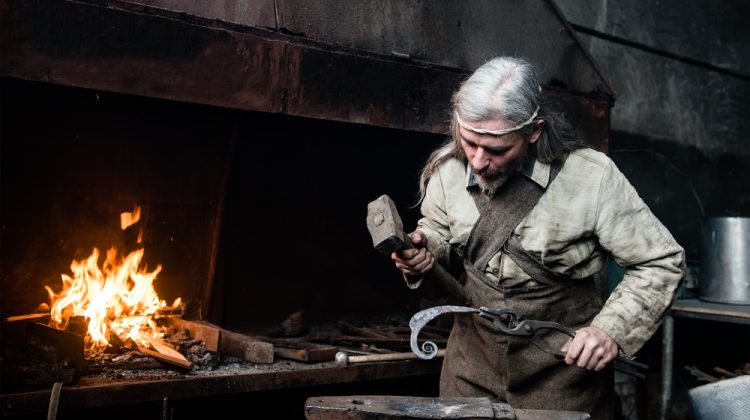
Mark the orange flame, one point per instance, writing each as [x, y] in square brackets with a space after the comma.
[118, 297]
[128, 219]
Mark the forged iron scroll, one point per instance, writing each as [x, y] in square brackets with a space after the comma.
[421, 318]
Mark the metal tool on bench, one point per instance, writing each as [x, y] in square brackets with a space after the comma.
[344, 359]
[506, 320]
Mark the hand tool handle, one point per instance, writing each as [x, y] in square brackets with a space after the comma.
[439, 275]
[388, 357]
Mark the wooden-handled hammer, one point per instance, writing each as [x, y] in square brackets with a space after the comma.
[344, 359]
[387, 231]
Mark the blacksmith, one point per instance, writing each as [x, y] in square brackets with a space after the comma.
[532, 213]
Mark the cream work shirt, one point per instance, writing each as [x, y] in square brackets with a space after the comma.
[588, 211]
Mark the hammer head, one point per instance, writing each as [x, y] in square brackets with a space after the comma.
[385, 225]
[342, 359]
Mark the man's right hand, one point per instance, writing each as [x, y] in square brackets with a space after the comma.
[417, 260]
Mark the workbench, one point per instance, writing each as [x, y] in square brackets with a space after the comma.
[693, 309]
[94, 391]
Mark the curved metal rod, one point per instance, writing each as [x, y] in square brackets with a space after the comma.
[421, 318]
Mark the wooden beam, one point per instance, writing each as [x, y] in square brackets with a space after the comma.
[306, 352]
[248, 348]
[210, 334]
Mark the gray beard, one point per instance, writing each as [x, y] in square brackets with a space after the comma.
[489, 186]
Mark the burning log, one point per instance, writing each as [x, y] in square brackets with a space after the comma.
[35, 317]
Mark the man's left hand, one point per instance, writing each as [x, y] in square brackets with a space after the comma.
[591, 348]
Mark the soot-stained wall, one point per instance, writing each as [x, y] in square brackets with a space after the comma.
[682, 76]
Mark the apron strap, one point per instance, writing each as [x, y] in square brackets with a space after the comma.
[499, 217]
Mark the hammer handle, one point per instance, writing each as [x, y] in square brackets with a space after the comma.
[438, 274]
[388, 357]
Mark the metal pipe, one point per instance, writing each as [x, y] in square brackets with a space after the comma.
[667, 356]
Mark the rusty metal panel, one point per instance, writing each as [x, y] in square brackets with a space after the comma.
[368, 90]
[100, 47]
[589, 114]
[128, 48]
[259, 13]
[456, 34]
[145, 53]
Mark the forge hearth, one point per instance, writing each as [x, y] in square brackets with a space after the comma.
[117, 376]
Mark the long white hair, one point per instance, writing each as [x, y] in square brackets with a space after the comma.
[503, 88]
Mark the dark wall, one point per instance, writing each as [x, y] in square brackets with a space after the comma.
[74, 159]
[294, 227]
[681, 71]
[292, 206]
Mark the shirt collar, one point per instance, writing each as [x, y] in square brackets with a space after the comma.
[533, 169]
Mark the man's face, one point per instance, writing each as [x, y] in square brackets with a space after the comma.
[494, 158]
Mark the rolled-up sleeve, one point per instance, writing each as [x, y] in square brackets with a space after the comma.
[654, 263]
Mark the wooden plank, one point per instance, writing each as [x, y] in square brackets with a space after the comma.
[164, 348]
[248, 348]
[307, 353]
[181, 362]
[210, 334]
[28, 317]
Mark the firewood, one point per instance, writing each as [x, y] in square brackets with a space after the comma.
[246, 347]
[210, 334]
[181, 361]
[28, 317]
[306, 352]
[113, 339]
[163, 352]
[164, 348]
[249, 348]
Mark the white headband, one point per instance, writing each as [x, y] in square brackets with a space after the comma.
[497, 132]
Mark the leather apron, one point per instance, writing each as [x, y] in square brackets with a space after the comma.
[483, 362]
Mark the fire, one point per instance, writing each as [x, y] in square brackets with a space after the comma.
[117, 298]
